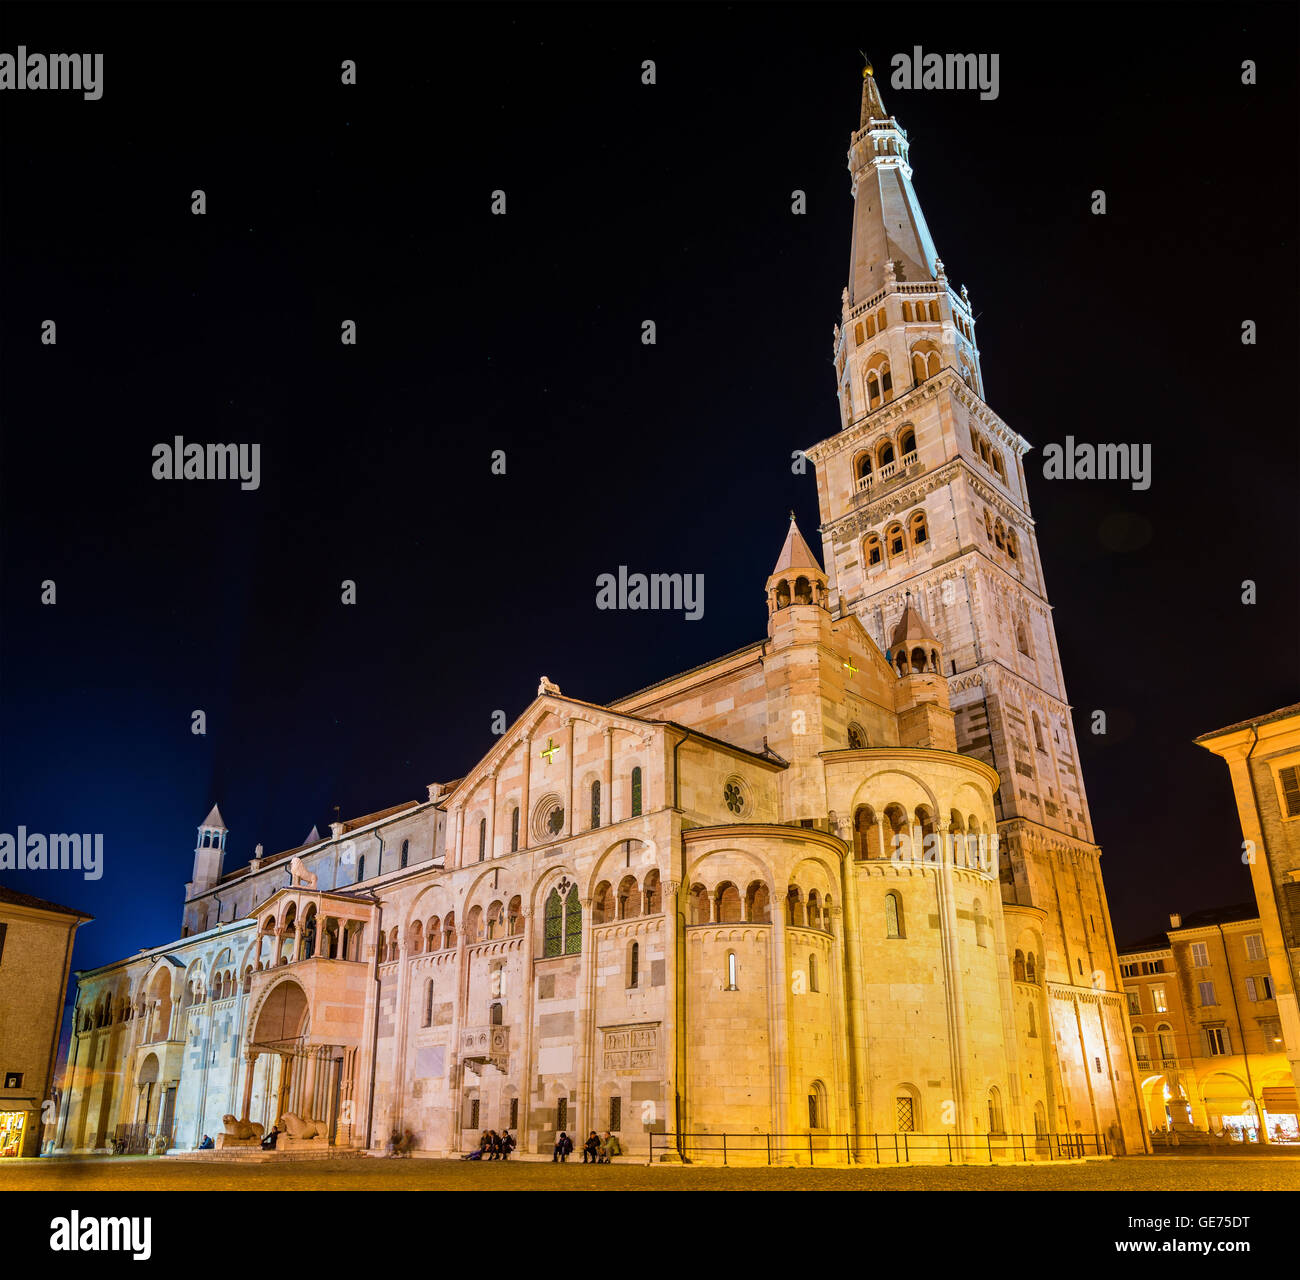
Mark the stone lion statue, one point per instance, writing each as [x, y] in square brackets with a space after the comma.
[299, 1127]
[239, 1131]
[547, 686]
[299, 875]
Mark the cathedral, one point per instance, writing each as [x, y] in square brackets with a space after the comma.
[834, 888]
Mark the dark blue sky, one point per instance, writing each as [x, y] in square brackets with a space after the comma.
[522, 333]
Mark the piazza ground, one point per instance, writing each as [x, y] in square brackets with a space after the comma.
[1264, 1172]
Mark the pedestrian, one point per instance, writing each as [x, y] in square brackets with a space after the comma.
[591, 1148]
[610, 1147]
[563, 1145]
[494, 1145]
[207, 1143]
[507, 1145]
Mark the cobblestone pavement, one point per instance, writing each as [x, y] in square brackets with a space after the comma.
[1138, 1173]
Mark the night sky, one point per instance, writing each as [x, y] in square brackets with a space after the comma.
[523, 333]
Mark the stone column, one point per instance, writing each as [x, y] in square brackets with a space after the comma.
[491, 850]
[526, 1076]
[607, 799]
[569, 797]
[856, 1003]
[251, 1060]
[587, 1098]
[309, 1086]
[780, 1025]
[670, 889]
[525, 784]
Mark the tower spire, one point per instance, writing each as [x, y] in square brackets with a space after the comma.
[873, 106]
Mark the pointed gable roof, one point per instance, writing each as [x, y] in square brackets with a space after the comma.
[313, 837]
[795, 554]
[215, 820]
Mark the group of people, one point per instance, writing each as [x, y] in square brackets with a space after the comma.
[492, 1146]
[401, 1144]
[596, 1150]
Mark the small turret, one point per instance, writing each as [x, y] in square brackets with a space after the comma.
[798, 578]
[921, 696]
[209, 852]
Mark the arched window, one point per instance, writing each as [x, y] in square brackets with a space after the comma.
[814, 909]
[894, 540]
[934, 311]
[449, 930]
[866, 834]
[595, 805]
[496, 1015]
[907, 441]
[474, 925]
[1031, 968]
[728, 900]
[858, 337]
[802, 591]
[872, 550]
[1140, 1047]
[1022, 639]
[406, 851]
[1018, 966]
[817, 1116]
[496, 920]
[758, 903]
[572, 923]
[999, 535]
[553, 925]
[651, 894]
[1013, 544]
[416, 935]
[812, 974]
[514, 829]
[633, 964]
[998, 467]
[995, 1112]
[636, 792]
[1165, 1039]
[602, 904]
[885, 453]
[857, 739]
[731, 971]
[918, 529]
[873, 390]
[482, 839]
[433, 934]
[862, 468]
[893, 916]
[871, 326]
[932, 364]
[907, 313]
[515, 917]
[918, 367]
[629, 898]
[361, 867]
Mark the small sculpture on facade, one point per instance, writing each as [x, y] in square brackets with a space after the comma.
[548, 686]
[299, 875]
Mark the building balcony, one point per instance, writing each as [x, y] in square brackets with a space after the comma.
[877, 479]
[484, 1044]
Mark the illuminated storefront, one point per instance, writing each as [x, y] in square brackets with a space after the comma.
[13, 1125]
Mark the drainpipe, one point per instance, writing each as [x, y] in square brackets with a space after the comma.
[374, 1043]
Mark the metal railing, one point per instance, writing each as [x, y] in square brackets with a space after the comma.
[876, 1148]
[139, 1139]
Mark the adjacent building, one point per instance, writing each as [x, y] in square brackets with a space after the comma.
[1263, 759]
[35, 961]
[1207, 1034]
[836, 884]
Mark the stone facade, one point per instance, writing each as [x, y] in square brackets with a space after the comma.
[35, 961]
[839, 883]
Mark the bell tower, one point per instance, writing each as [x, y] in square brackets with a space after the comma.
[209, 852]
[923, 491]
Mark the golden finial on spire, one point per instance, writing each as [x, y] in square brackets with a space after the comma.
[867, 68]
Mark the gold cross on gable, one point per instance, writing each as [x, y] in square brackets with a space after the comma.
[549, 750]
[850, 668]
